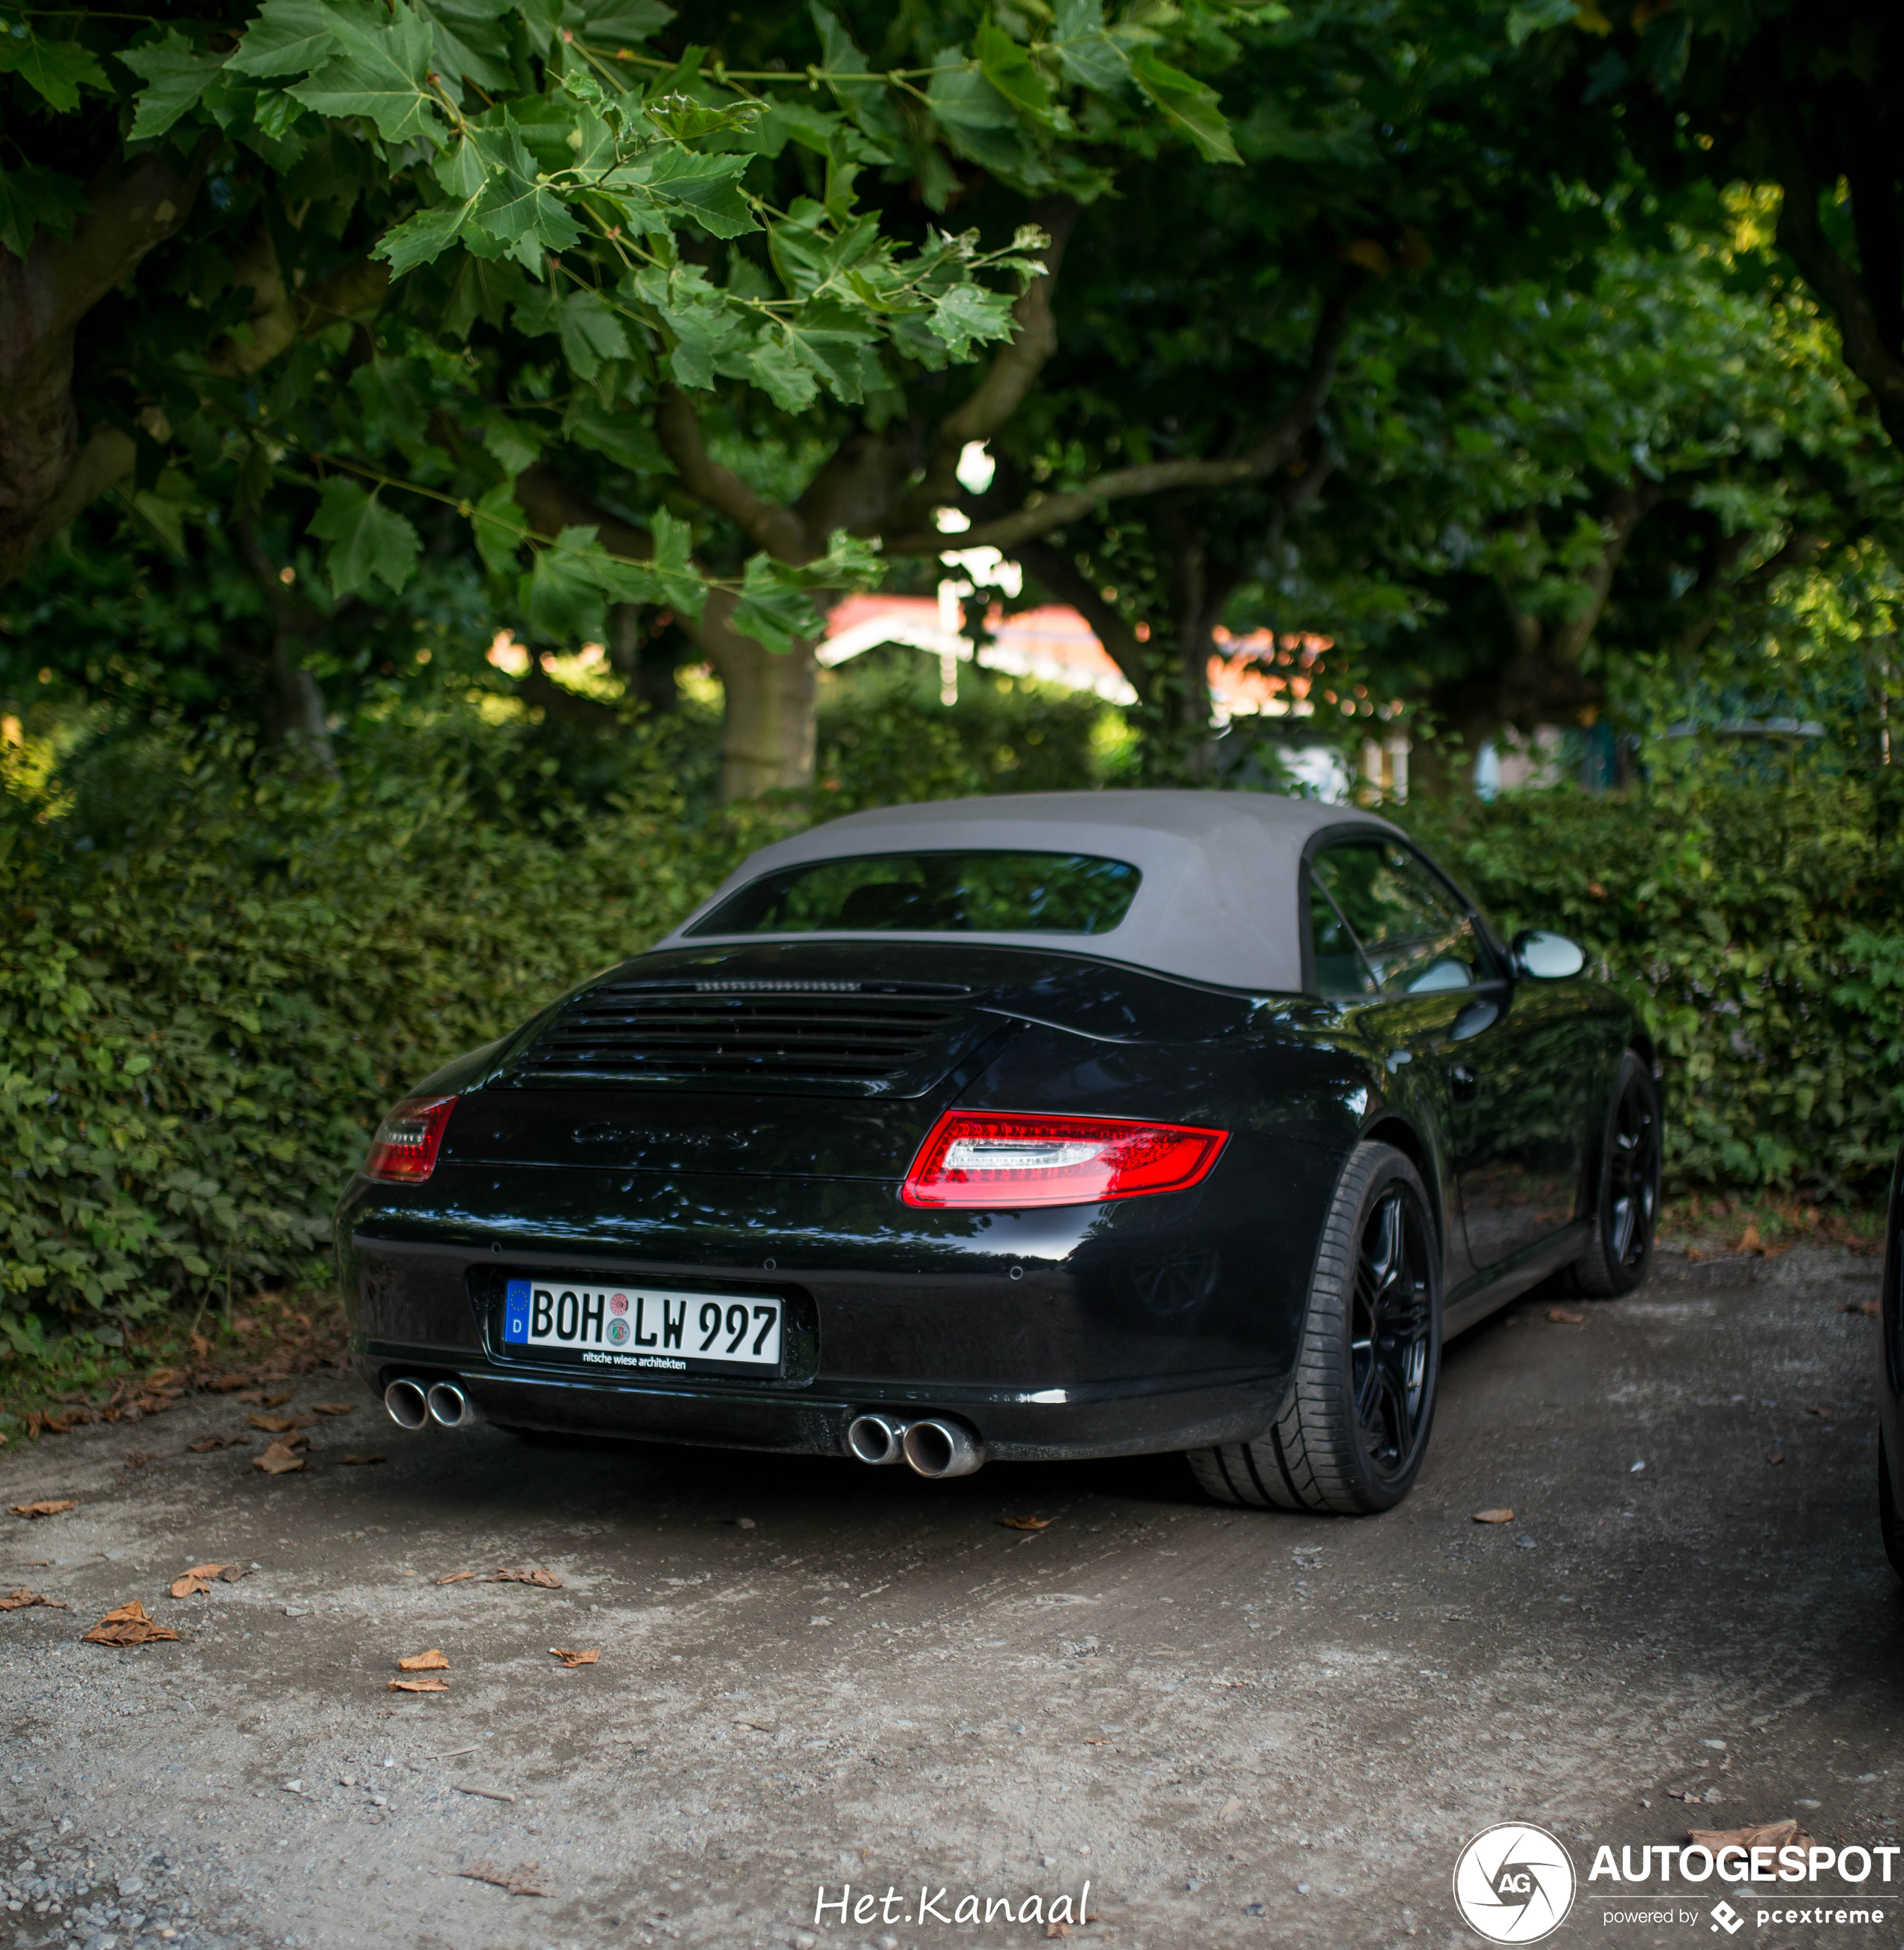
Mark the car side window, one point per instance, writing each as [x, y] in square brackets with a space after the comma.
[1409, 928]
[1340, 969]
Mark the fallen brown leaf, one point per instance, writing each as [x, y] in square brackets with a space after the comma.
[1026, 1523]
[457, 1578]
[207, 1443]
[333, 1408]
[1563, 1317]
[127, 1624]
[1859, 1306]
[571, 1660]
[196, 1581]
[365, 1460]
[137, 1461]
[418, 1686]
[1764, 1835]
[502, 1574]
[1775, 1456]
[277, 1425]
[277, 1459]
[225, 1384]
[431, 1660]
[1494, 1516]
[1749, 1240]
[17, 1601]
[57, 1507]
[1693, 1253]
[525, 1879]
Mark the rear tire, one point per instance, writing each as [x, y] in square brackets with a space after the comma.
[1352, 1430]
[1626, 1203]
[1888, 1522]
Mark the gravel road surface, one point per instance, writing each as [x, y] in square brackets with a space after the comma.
[1237, 1728]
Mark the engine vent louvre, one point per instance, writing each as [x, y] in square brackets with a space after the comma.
[868, 1037]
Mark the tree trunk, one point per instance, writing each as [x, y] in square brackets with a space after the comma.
[293, 706]
[767, 730]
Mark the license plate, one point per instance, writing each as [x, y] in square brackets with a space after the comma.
[643, 1327]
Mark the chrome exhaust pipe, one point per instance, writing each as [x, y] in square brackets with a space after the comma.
[408, 1402]
[938, 1446]
[876, 1439]
[450, 1408]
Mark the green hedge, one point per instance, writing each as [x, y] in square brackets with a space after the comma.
[1756, 919]
[200, 1023]
[216, 977]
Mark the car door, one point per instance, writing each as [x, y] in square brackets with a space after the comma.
[1506, 1052]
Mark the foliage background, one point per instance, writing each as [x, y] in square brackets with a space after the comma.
[221, 970]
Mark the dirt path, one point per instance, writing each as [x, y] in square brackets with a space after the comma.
[1238, 1729]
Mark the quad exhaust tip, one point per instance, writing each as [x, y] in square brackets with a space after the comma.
[408, 1402]
[935, 1447]
[450, 1408]
[414, 1404]
[876, 1439]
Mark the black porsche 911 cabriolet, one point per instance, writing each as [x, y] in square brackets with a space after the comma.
[1071, 1125]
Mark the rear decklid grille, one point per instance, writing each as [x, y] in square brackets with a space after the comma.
[838, 1037]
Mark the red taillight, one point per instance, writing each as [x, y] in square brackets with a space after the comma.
[404, 1150]
[999, 1161]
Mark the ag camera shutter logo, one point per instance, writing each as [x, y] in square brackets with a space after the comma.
[1514, 1882]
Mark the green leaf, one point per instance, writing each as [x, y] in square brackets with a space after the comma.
[625, 438]
[961, 98]
[517, 209]
[459, 169]
[418, 239]
[513, 442]
[176, 73]
[1008, 68]
[1188, 103]
[706, 187]
[564, 595]
[499, 525]
[777, 614]
[671, 569]
[288, 37]
[970, 313]
[625, 19]
[57, 70]
[35, 199]
[472, 43]
[386, 390]
[591, 333]
[382, 73]
[367, 539]
[787, 370]
[1088, 54]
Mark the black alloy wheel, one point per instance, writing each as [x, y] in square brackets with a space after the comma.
[1626, 1211]
[1390, 1328]
[1890, 1525]
[1354, 1426]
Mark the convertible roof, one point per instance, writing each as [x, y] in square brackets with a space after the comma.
[1219, 901]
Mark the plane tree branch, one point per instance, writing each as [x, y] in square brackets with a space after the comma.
[1262, 457]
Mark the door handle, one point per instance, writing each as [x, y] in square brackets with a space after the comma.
[1462, 1080]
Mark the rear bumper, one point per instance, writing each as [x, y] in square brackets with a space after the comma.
[1099, 1419]
[1138, 1326]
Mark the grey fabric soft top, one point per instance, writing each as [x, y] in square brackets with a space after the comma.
[1220, 902]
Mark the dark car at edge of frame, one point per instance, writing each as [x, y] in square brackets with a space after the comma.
[1041, 1127]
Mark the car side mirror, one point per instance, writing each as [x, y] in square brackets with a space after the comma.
[1548, 957]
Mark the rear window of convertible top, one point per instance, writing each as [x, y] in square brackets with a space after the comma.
[949, 893]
